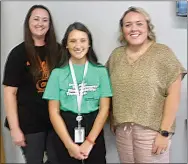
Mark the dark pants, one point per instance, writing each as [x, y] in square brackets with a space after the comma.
[37, 144]
[97, 154]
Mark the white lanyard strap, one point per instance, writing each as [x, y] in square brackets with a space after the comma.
[79, 94]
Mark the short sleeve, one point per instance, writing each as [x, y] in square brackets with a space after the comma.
[172, 66]
[14, 68]
[105, 84]
[52, 88]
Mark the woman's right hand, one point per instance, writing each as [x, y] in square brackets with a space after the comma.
[18, 137]
[74, 151]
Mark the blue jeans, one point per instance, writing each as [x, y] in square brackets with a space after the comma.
[37, 145]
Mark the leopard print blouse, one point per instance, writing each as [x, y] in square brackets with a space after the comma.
[140, 88]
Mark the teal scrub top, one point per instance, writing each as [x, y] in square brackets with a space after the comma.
[96, 85]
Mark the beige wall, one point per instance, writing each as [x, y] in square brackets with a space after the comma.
[2, 160]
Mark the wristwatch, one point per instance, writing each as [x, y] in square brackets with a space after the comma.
[165, 133]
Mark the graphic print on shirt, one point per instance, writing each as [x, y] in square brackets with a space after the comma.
[41, 84]
[86, 88]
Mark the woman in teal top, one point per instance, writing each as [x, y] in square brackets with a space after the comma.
[79, 94]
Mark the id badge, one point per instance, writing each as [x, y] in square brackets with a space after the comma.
[79, 135]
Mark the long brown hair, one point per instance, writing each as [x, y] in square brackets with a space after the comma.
[65, 55]
[51, 45]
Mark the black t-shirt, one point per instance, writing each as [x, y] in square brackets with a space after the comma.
[32, 109]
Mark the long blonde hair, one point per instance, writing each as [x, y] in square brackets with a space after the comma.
[151, 34]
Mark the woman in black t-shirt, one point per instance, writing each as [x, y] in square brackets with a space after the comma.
[26, 73]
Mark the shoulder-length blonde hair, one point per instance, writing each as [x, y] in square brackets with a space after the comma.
[151, 34]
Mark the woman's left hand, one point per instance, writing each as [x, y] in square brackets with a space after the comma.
[85, 148]
[160, 144]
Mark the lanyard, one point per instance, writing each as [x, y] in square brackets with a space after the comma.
[79, 94]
